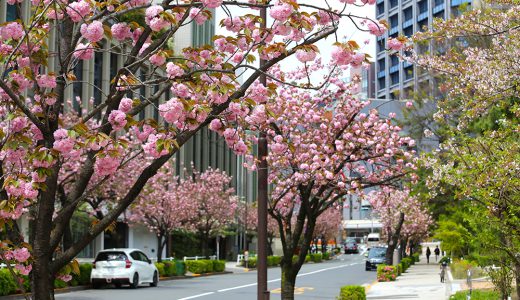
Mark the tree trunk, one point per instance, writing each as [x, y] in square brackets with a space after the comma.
[42, 281]
[392, 241]
[160, 247]
[288, 279]
[204, 244]
[270, 245]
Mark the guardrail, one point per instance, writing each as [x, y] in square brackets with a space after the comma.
[212, 257]
[241, 256]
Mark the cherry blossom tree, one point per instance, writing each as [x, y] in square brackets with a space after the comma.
[164, 205]
[37, 70]
[214, 204]
[402, 216]
[251, 219]
[322, 147]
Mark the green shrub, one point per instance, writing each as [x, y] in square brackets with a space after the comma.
[352, 292]
[219, 265]
[386, 273]
[459, 269]
[160, 268]
[170, 268]
[251, 263]
[326, 256]
[196, 266]
[316, 257]
[180, 267]
[476, 295]
[307, 258]
[294, 259]
[399, 269]
[407, 262]
[84, 274]
[59, 284]
[445, 259]
[415, 257]
[7, 283]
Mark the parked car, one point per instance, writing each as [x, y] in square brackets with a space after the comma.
[376, 256]
[123, 266]
[351, 247]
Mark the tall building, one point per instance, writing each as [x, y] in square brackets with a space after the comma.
[397, 79]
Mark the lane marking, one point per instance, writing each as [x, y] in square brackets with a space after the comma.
[197, 296]
[269, 281]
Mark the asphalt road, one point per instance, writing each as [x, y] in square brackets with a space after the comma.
[315, 281]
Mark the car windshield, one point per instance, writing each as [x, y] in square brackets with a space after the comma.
[373, 239]
[110, 256]
[377, 253]
[350, 244]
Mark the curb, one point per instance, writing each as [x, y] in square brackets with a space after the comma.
[208, 274]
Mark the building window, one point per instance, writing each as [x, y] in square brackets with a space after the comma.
[394, 78]
[381, 45]
[422, 6]
[114, 66]
[408, 73]
[98, 78]
[381, 64]
[381, 83]
[423, 25]
[381, 8]
[12, 13]
[77, 87]
[393, 3]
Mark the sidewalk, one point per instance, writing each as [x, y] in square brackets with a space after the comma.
[421, 281]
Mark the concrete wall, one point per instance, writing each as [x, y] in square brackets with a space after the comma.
[141, 238]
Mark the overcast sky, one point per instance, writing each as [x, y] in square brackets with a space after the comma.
[346, 28]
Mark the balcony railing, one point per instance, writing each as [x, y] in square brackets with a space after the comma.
[407, 64]
[407, 23]
[394, 69]
[422, 16]
[393, 30]
[381, 74]
[438, 8]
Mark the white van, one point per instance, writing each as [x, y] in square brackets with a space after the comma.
[373, 240]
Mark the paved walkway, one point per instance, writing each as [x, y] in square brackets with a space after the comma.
[421, 281]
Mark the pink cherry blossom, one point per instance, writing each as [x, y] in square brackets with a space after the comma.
[125, 105]
[212, 3]
[197, 15]
[305, 56]
[117, 119]
[376, 28]
[157, 59]
[121, 31]
[281, 11]
[93, 32]
[46, 81]
[84, 51]
[395, 44]
[78, 10]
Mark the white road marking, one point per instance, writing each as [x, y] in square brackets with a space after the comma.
[272, 280]
[197, 296]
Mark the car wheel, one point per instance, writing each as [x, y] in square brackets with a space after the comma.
[155, 280]
[368, 269]
[135, 281]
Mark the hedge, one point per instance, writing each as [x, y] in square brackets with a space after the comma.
[160, 268]
[206, 266]
[170, 268]
[316, 257]
[219, 265]
[386, 273]
[83, 278]
[415, 257]
[407, 262]
[326, 256]
[352, 292]
[7, 283]
[399, 269]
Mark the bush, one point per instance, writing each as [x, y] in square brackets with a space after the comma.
[196, 266]
[274, 260]
[307, 258]
[84, 274]
[445, 259]
[407, 262]
[476, 295]
[59, 284]
[170, 268]
[326, 256]
[459, 269]
[386, 273]
[180, 267]
[219, 265]
[399, 269]
[316, 257]
[415, 257]
[160, 268]
[250, 264]
[7, 283]
[352, 292]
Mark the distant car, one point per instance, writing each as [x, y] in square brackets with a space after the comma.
[373, 240]
[351, 247]
[123, 266]
[376, 256]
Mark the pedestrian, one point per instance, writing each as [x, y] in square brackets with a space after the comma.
[428, 253]
[444, 265]
[437, 252]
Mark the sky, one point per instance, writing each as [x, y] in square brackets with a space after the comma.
[346, 28]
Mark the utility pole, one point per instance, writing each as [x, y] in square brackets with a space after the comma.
[262, 291]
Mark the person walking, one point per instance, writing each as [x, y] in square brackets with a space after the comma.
[428, 253]
[437, 252]
[444, 265]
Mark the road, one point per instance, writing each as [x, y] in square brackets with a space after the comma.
[315, 281]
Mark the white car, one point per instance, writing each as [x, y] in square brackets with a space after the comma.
[123, 266]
